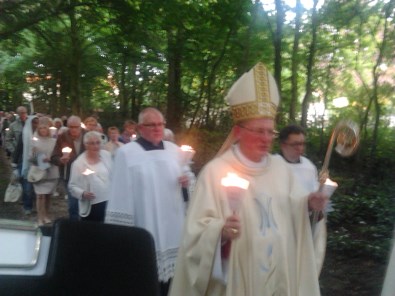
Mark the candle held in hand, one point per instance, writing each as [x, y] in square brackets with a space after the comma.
[187, 154]
[329, 187]
[235, 188]
[66, 150]
[52, 131]
[87, 172]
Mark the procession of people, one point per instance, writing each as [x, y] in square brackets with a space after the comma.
[246, 229]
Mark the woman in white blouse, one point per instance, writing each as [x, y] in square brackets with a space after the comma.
[90, 178]
[40, 151]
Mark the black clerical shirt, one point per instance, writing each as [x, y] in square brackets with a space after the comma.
[148, 146]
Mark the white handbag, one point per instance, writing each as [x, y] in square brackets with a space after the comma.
[84, 206]
[13, 192]
[35, 174]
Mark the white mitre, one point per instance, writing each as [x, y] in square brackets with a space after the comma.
[253, 95]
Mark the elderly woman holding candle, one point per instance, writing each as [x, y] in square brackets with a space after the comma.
[90, 178]
[248, 230]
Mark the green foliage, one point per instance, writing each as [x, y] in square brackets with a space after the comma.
[363, 219]
[205, 142]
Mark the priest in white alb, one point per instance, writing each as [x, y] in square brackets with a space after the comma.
[146, 190]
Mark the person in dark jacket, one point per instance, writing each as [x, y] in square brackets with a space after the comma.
[69, 140]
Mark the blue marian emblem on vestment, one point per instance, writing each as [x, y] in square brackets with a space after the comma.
[267, 223]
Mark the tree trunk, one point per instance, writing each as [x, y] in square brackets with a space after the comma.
[278, 43]
[295, 63]
[200, 98]
[174, 97]
[247, 43]
[310, 65]
[382, 48]
[75, 65]
[123, 102]
[211, 79]
[134, 106]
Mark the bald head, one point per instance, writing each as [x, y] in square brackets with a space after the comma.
[22, 113]
[74, 126]
[73, 119]
[149, 112]
[151, 125]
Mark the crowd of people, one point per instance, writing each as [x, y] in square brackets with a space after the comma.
[251, 235]
[35, 145]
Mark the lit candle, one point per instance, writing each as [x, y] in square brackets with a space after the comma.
[66, 152]
[34, 139]
[133, 137]
[329, 187]
[86, 203]
[83, 125]
[87, 173]
[53, 130]
[187, 154]
[235, 187]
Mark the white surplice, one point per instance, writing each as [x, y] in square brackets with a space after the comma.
[306, 173]
[145, 192]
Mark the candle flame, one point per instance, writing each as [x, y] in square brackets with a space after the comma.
[330, 182]
[328, 188]
[187, 154]
[134, 136]
[186, 148]
[232, 180]
[66, 150]
[52, 128]
[83, 125]
[87, 172]
[34, 139]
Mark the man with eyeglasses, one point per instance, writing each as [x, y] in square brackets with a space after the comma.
[292, 144]
[146, 190]
[247, 230]
[72, 138]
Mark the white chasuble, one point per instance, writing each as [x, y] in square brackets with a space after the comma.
[274, 253]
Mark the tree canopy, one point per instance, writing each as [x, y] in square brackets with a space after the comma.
[182, 56]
